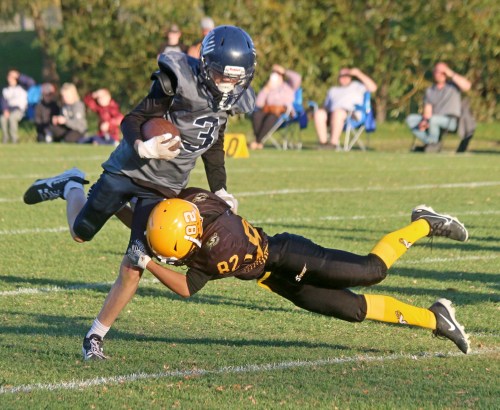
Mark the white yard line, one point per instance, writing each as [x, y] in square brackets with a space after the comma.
[54, 289]
[249, 368]
[478, 184]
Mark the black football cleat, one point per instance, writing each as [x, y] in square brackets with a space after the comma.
[51, 188]
[92, 348]
[447, 325]
[441, 225]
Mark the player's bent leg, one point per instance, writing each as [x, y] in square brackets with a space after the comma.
[303, 261]
[339, 303]
[393, 245]
[108, 195]
[55, 187]
[118, 297]
[121, 292]
[390, 310]
[440, 317]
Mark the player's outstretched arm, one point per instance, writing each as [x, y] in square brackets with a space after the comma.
[175, 281]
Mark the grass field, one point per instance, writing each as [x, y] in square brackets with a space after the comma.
[235, 345]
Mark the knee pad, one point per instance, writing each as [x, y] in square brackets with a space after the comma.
[85, 227]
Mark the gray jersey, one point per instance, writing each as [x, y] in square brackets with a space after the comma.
[199, 123]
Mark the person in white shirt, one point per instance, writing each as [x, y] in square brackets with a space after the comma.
[338, 102]
[14, 104]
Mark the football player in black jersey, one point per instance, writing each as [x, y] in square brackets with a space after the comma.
[198, 96]
[197, 229]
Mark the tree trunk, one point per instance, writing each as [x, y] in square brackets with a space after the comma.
[381, 102]
[49, 67]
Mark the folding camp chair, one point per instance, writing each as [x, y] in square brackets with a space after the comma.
[289, 125]
[34, 97]
[359, 120]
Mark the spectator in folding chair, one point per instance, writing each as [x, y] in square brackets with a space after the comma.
[442, 105]
[339, 101]
[274, 99]
[47, 108]
[14, 103]
[71, 124]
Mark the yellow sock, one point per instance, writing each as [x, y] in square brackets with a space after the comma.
[388, 309]
[393, 245]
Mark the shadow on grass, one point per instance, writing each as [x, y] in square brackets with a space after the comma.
[145, 290]
[58, 325]
[486, 279]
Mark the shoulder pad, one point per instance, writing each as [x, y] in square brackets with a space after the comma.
[167, 80]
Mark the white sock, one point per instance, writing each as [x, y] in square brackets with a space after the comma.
[71, 185]
[98, 329]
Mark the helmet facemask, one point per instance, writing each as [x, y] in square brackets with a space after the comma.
[227, 64]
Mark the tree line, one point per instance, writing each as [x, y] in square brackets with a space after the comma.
[114, 43]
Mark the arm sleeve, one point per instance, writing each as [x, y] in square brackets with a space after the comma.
[155, 104]
[213, 159]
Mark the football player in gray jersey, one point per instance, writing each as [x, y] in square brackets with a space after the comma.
[197, 95]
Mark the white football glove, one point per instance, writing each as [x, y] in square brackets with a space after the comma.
[136, 253]
[155, 148]
[230, 199]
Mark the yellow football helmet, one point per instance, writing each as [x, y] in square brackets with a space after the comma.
[174, 230]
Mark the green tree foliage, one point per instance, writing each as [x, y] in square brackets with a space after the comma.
[114, 43]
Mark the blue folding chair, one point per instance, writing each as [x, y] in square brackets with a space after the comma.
[289, 125]
[34, 97]
[359, 120]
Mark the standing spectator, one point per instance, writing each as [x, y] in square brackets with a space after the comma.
[274, 99]
[173, 41]
[110, 117]
[442, 104]
[44, 111]
[14, 103]
[339, 101]
[71, 124]
[207, 25]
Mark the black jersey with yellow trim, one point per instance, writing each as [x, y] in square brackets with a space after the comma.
[231, 246]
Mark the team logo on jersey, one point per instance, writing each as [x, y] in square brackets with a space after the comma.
[199, 198]
[401, 318]
[299, 277]
[212, 241]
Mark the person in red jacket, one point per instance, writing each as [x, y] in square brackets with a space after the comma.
[109, 114]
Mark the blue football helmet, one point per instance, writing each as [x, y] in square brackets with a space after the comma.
[227, 62]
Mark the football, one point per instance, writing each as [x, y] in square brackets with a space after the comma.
[158, 126]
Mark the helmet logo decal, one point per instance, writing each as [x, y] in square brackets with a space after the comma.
[234, 71]
[209, 43]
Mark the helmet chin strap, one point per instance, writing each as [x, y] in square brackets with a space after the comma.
[194, 240]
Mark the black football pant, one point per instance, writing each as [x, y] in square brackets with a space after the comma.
[316, 278]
